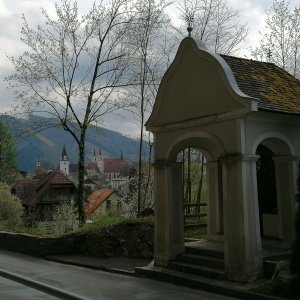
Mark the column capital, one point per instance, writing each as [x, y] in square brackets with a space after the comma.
[166, 164]
[284, 158]
[239, 157]
[211, 164]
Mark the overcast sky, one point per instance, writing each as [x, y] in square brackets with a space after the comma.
[251, 11]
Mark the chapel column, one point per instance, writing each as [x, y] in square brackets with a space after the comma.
[214, 200]
[286, 190]
[168, 221]
[242, 241]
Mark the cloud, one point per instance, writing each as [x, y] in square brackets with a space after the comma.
[251, 11]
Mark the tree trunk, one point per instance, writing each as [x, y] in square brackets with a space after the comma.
[188, 188]
[148, 173]
[200, 180]
[200, 184]
[80, 191]
[140, 174]
[189, 182]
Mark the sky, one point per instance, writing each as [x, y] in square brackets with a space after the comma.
[251, 11]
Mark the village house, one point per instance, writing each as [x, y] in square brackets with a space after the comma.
[103, 202]
[43, 192]
[94, 185]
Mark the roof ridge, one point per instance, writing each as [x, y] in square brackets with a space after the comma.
[249, 59]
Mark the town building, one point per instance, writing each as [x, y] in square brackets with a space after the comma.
[110, 171]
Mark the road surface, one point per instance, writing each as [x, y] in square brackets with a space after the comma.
[26, 277]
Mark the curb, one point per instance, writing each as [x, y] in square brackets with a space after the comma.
[99, 268]
[202, 284]
[43, 287]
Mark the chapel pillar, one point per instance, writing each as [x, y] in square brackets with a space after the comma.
[214, 200]
[286, 190]
[242, 241]
[168, 221]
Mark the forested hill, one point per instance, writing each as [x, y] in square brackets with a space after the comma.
[47, 144]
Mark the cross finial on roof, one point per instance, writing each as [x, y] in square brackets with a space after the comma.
[189, 18]
[269, 54]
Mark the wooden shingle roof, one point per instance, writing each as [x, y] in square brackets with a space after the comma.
[31, 191]
[274, 88]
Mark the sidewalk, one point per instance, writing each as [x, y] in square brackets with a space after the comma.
[127, 266]
[119, 265]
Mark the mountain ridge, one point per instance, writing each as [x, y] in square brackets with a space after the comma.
[46, 145]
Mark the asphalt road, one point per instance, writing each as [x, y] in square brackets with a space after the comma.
[26, 277]
[11, 290]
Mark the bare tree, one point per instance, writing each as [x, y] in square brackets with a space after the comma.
[194, 183]
[74, 69]
[280, 43]
[214, 22]
[8, 166]
[151, 55]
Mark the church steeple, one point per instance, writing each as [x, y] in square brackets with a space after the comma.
[64, 165]
[98, 159]
[64, 155]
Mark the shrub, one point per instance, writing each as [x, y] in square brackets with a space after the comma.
[65, 217]
[10, 209]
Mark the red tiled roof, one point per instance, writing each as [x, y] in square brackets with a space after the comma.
[31, 190]
[113, 165]
[96, 199]
[92, 166]
[91, 181]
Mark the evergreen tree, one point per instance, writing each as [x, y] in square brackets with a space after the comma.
[295, 258]
[8, 166]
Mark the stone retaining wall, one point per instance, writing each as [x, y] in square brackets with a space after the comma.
[130, 239]
[41, 246]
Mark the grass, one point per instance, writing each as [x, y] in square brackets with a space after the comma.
[36, 230]
[195, 232]
[97, 224]
[265, 288]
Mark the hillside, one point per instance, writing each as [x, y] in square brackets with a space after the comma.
[47, 144]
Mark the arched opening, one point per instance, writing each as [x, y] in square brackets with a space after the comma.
[200, 186]
[275, 192]
[266, 190]
[194, 179]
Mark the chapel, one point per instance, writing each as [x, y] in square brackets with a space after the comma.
[244, 115]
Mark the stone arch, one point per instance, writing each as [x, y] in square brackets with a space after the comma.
[211, 145]
[279, 223]
[169, 229]
[276, 141]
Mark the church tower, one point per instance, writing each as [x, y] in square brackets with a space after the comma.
[98, 159]
[64, 162]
